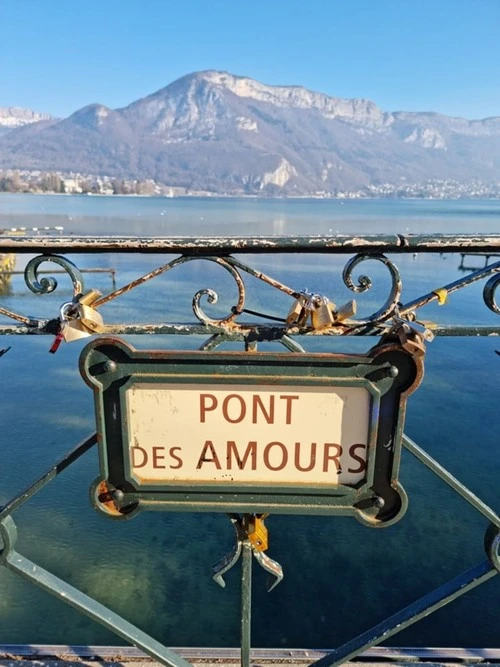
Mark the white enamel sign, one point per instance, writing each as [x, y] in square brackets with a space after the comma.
[261, 434]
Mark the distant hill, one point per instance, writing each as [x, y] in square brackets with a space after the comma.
[14, 117]
[228, 134]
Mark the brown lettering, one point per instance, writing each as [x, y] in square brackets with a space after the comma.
[203, 405]
[327, 457]
[361, 461]
[243, 408]
[288, 399]
[139, 450]
[268, 416]
[171, 451]
[251, 451]
[284, 454]
[312, 458]
[157, 457]
[208, 446]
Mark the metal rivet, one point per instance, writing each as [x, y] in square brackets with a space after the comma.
[117, 494]
[393, 371]
[109, 366]
[378, 502]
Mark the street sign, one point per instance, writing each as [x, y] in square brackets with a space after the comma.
[250, 432]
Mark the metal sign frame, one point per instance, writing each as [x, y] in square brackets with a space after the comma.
[389, 373]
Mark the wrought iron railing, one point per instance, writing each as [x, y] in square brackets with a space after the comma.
[308, 314]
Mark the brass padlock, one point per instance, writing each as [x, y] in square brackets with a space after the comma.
[298, 313]
[89, 297]
[323, 314]
[73, 330]
[415, 345]
[257, 532]
[411, 341]
[346, 311]
[90, 319]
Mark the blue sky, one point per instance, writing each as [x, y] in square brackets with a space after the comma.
[418, 55]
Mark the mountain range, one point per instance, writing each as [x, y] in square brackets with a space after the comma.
[214, 131]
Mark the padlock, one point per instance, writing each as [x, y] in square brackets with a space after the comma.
[415, 345]
[346, 311]
[298, 313]
[89, 297]
[257, 533]
[410, 341]
[73, 330]
[90, 319]
[323, 313]
[419, 328]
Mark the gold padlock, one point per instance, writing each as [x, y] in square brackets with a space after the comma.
[257, 532]
[412, 342]
[90, 319]
[323, 314]
[298, 313]
[346, 311]
[89, 297]
[73, 330]
[415, 345]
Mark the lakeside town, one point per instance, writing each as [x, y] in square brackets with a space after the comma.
[38, 182]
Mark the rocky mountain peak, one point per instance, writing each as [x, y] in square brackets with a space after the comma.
[218, 132]
[14, 117]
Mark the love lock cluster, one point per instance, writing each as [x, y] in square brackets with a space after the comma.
[319, 310]
[78, 319]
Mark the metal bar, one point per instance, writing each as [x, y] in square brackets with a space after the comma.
[213, 342]
[42, 481]
[262, 331]
[453, 482]
[246, 602]
[15, 316]
[480, 274]
[289, 655]
[414, 612]
[93, 609]
[223, 245]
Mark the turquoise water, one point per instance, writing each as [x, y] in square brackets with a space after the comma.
[340, 577]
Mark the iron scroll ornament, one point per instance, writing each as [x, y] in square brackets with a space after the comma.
[373, 323]
[113, 368]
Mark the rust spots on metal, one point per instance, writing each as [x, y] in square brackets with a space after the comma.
[105, 498]
[223, 245]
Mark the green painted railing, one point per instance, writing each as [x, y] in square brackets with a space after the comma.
[395, 319]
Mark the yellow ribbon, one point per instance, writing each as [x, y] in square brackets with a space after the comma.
[442, 295]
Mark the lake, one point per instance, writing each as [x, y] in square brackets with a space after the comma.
[340, 577]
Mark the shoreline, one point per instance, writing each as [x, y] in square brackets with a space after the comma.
[206, 195]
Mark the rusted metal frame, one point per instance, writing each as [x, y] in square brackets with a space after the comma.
[33, 573]
[439, 597]
[44, 479]
[262, 276]
[231, 264]
[260, 332]
[226, 262]
[24, 319]
[223, 245]
[480, 274]
[452, 481]
[223, 655]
